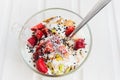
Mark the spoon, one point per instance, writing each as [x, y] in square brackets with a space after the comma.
[98, 7]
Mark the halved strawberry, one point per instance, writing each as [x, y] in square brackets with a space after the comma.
[79, 43]
[69, 30]
[39, 34]
[41, 66]
[32, 41]
[38, 26]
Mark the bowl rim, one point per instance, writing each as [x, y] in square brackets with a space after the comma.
[79, 67]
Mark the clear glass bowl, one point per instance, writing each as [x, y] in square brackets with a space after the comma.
[25, 33]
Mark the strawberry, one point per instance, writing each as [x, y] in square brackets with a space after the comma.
[35, 56]
[41, 66]
[79, 43]
[38, 26]
[48, 47]
[62, 49]
[39, 34]
[32, 41]
[39, 46]
[69, 30]
[45, 31]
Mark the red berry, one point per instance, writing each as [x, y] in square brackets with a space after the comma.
[39, 34]
[69, 30]
[38, 48]
[41, 66]
[79, 43]
[35, 56]
[38, 26]
[62, 49]
[48, 47]
[41, 43]
[45, 31]
[32, 41]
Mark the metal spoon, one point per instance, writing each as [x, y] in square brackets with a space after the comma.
[98, 6]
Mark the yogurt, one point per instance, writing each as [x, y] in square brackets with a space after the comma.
[52, 52]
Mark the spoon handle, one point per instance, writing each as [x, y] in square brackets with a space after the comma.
[98, 6]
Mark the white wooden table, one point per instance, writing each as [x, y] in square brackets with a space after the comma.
[104, 61]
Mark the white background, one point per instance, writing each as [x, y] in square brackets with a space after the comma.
[104, 61]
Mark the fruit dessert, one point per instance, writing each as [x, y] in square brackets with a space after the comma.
[51, 51]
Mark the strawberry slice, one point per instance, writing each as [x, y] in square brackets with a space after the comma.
[49, 47]
[62, 49]
[56, 39]
[45, 31]
[41, 66]
[35, 56]
[79, 43]
[32, 41]
[69, 30]
[39, 46]
[39, 34]
[38, 26]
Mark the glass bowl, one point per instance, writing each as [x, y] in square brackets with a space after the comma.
[25, 33]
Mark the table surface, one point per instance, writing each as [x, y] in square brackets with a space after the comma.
[104, 61]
